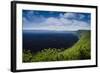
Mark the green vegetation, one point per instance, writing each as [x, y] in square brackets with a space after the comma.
[79, 51]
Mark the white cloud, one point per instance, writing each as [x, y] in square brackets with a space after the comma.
[60, 24]
[72, 15]
[30, 12]
[52, 22]
[65, 21]
[69, 15]
[81, 16]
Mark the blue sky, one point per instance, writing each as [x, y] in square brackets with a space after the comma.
[52, 20]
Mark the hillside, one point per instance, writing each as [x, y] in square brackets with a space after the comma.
[79, 51]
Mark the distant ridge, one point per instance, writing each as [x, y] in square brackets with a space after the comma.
[55, 31]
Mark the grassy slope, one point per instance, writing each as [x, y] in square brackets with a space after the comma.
[79, 51]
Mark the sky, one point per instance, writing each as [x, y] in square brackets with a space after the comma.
[53, 20]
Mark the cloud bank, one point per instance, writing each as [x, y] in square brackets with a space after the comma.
[62, 22]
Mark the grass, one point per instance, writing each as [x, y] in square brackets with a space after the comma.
[79, 51]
